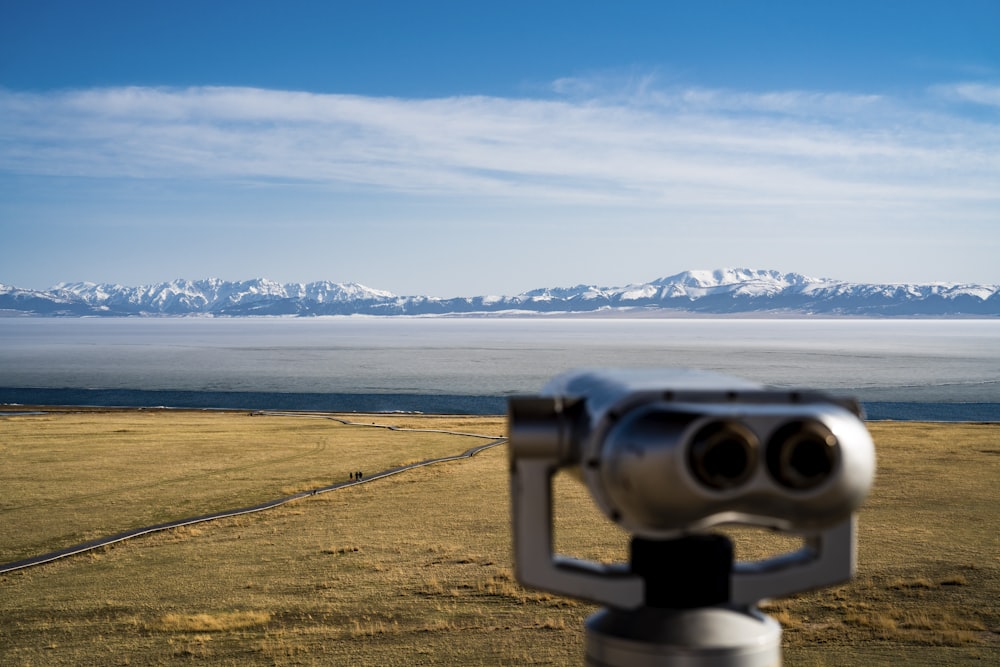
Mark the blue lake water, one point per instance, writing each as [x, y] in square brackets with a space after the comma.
[902, 369]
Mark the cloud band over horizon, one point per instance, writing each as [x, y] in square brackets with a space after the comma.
[642, 149]
[778, 158]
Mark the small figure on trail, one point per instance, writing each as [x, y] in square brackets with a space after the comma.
[359, 476]
[351, 476]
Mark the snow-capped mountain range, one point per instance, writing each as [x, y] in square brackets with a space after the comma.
[724, 291]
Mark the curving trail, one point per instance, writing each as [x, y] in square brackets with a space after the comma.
[137, 532]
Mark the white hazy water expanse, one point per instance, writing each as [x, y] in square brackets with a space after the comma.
[876, 360]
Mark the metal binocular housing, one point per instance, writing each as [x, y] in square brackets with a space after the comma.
[674, 452]
[659, 466]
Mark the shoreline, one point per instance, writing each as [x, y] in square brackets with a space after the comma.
[28, 399]
[15, 410]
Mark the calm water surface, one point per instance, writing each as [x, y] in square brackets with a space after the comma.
[877, 360]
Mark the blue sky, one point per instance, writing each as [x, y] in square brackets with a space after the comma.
[459, 148]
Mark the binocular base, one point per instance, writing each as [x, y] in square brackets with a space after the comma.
[715, 636]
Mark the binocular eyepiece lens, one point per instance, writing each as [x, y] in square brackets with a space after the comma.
[801, 455]
[723, 454]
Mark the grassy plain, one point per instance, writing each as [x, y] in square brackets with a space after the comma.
[415, 569]
[76, 476]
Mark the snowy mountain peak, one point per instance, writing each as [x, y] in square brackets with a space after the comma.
[721, 291]
[727, 277]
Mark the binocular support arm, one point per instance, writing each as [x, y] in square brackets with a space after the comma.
[536, 564]
[827, 557]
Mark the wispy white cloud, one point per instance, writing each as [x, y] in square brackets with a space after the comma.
[640, 145]
[978, 93]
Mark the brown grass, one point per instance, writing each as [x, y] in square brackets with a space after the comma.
[415, 570]
[77, 476]
[209, 622]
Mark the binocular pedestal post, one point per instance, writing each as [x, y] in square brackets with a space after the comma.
[687, 619]
[702, 637]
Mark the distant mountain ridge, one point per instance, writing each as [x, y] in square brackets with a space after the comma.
[719, 292]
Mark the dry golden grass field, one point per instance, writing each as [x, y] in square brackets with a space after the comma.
[415, 569]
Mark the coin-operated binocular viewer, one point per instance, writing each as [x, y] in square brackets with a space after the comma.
[668, 455]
